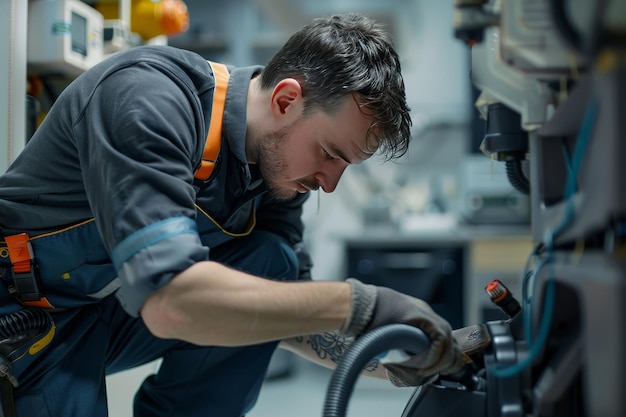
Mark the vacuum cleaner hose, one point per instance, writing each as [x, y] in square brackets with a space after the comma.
[362, 351]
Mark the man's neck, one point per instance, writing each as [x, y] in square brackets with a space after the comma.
[256, 105]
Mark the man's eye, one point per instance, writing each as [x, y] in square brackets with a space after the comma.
[326, 154]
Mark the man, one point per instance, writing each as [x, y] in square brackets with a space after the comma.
[143, 250]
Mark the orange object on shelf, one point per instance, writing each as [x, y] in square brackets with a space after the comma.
[149, 18]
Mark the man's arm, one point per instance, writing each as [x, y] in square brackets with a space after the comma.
[326, 349]
[212, 304]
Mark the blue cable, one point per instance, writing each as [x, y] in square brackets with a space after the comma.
[528, 282]
[542, 337]
[582, 141]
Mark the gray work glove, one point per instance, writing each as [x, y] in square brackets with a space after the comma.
[374, 306]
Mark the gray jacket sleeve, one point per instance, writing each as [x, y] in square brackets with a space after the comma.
[136, 139]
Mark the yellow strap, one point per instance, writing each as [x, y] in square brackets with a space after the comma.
[214, 137]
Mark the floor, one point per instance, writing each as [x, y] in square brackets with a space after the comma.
[300, 391]
[303, 391]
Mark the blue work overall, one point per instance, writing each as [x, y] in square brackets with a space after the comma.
[95, 337]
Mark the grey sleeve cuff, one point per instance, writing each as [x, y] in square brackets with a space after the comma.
[147, 260]
[363, 301]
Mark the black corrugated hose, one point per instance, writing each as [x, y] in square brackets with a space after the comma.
[15, 324]
[362, 351]
[16, 329]
[516, 176]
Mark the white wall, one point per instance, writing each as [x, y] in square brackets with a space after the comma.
[13, 17]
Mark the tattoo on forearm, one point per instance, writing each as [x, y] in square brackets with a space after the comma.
[330, 345]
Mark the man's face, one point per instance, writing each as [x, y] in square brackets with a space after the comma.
[314, 150]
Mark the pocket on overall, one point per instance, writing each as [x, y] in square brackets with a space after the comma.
[74, 267]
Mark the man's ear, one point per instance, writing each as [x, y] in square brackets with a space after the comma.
[286, 96]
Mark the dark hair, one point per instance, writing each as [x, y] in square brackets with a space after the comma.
[348, 54]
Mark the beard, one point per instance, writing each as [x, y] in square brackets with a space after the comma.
[272, 162]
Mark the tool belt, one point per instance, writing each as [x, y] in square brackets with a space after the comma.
[25, 331]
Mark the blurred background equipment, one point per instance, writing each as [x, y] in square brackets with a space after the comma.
[487, 196]
[432, 273]
[64, 36]
[150, 18]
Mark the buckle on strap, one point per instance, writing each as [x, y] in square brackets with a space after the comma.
[24, 271]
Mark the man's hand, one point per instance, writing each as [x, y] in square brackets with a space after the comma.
[373, 307]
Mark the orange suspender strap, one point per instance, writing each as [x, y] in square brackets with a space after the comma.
[25, 277]
[214, 137]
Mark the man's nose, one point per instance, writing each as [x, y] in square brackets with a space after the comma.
[333, 174]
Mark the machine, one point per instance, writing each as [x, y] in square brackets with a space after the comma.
[487, 385]
[64, 36]
[552, 76]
